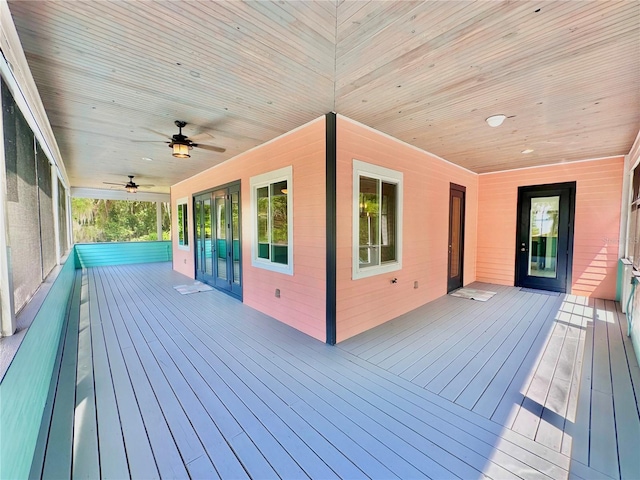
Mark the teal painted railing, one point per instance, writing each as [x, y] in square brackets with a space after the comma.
[121, 253]
[25, 387]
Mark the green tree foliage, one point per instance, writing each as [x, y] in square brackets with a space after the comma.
[97, 220]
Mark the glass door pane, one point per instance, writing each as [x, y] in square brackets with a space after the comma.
[543, 236]
[199, 243]
[206, 217]
[456, 212]
[220, 203]
[235, 235]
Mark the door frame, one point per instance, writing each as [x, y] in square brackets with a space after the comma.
[522, 190]
[463, 190]
[234, 292]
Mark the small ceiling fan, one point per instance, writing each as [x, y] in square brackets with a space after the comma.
[181, 144]
[130, 186]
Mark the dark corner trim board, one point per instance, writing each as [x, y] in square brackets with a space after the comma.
[330, 129]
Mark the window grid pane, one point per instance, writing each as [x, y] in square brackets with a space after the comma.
[369, 222]
[185, 226]
[263, 222]
[388, 229]
[181, 232]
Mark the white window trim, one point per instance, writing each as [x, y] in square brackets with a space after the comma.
[183, 201]
[265, 180]
[389, 176]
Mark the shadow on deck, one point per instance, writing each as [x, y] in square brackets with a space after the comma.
[158, 384]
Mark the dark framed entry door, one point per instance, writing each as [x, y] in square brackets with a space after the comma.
[218, 249]
[455, 269]
[544, 249]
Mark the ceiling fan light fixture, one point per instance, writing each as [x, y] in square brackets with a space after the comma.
[180, 150]
[131, 188]
[495, 120]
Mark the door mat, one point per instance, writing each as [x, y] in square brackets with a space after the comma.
[541, 292]
[473, 294]
[195, 288]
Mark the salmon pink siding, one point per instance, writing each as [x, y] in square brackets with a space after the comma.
[367, 302]
[596, 230]
[303, 294]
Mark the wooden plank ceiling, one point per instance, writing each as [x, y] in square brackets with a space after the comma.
[114, 76]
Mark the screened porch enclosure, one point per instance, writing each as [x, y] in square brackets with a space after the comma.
[36, 206]
[158, 384]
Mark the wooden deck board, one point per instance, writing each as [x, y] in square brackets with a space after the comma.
[58, 453]
[202, 385]
[509, 329]
[285, 365]
[577, 431]
[476, 339]
[624, 398]
[424, 347]
[140, 457]
[603, 446]
[113, 459]
[253, 347]
[168, 352]
[505, 361]
[392, 460]
[165, 450]
[289, 330]
[86, 462]
[182, 431]
[503, 387]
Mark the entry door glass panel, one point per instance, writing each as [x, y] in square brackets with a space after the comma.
[199, 239]
[543, 236]
[221, 235]
[235, 227]
[206, 216]
[456, 212]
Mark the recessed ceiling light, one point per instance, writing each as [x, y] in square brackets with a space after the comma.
[147, 159]
[495, 120]
[527, 150]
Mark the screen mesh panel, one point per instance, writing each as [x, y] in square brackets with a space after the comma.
[22, 205]
[62, 217]
[47, 229]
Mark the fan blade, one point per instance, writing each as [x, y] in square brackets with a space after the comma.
[149, 141]
[146, 185]
[156, 132]
[112, 183]
[211, 148]
[201, 130]
[201, 136]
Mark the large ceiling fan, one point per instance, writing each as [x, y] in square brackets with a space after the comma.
[130, 186]
[181, 144]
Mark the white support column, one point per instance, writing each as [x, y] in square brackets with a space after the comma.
[159, 220]
[55, 212]
[7, 315]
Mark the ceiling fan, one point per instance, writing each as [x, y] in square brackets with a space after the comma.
[130, 186]
[181, 144]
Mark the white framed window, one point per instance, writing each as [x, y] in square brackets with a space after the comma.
[377, 220]
[272, 219]
[183, 224]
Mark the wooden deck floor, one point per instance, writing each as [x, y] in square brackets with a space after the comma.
[158, 384]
